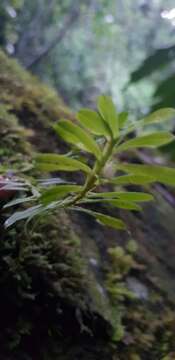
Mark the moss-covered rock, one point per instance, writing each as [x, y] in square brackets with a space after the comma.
[45, 296]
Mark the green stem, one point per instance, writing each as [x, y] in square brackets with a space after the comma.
[92, 178]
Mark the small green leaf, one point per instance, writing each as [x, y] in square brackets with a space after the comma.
[135, 196]
[158, 116]
[108, 111]
[122, 119]
[77, 136]
[25, 214]
[126, 196]
[161, 174]
[122, 204]
[58, 192]
[93, 122]
[132, 179]
[109, 221]
[53, 162]
[152, 140]
[104, 219]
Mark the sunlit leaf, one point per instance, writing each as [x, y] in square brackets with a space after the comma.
[54, 162]
[132, 179]
[58, 192]
[108, 111]
[77, 136]
[122, 204]
[93, 122]
[161, 174]
[125, 205]
[152, 140]
[127, 196]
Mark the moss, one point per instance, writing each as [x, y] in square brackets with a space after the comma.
[42, 283]
[42, 271]
[43, 274]
[25, 94]
[121, 263]
[26, 103]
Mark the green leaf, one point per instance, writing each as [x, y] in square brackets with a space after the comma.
[132, 179]
[122, 204]
[93, 122]
[126, 196]
[53, 181]
[109, 221]
[77, 136]
[108, 111]
[19, 215]
[104, 219]
[58, 192]
[19, 201]
[161, 174]
[122, 119]
[158, 116]
[7, 184]
[53, 162]
[152, 140]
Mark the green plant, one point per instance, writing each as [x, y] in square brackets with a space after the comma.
[104, 134]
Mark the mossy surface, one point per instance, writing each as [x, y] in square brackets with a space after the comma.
[71, 289]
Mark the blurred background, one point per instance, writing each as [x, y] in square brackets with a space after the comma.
[82, 48]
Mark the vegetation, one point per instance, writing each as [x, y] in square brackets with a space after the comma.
[109, 138]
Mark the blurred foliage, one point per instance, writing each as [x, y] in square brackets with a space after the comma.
[93, 46]
[160, 62]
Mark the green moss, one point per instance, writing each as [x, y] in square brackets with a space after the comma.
[121, 263]
[26, 95]
[42, 270]
[27, 110]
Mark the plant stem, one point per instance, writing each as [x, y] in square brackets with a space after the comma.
[92, 178]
